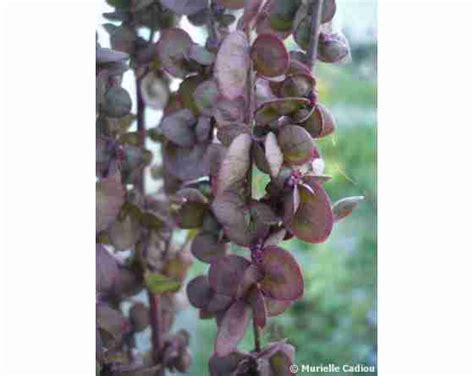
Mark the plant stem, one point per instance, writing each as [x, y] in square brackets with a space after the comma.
[140, 182]
[312, 52]
[153, 300]
[256, 336]
[155, 323]
[250, 121]
[211, 28]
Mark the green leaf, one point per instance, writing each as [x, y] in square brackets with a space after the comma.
[159, 284]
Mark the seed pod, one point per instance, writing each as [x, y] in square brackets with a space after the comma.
[345, 207]
[117, 102]
[333, 48]
[139, 317]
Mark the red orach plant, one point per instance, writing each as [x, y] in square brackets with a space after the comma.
[243, 100]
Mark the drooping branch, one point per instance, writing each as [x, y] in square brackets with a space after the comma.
[210, 24]
[155, 323]
[312, 52]
[153, 299]
[140, 180]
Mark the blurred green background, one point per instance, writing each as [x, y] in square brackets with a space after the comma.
[336, 321]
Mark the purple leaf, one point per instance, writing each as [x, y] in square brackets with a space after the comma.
[277, 358]
[201, 55]
[297, 145]
[276, 307]
[139, 317]
[251, 11]
[270, 56]
[110, 195]
[234, 168]
[243, 223]
[257, 302]
[232, 329]
[313, 221]
[273, 154]
[186, 163]
[207, 248]
[232, 64]
[333, 48]
[107, 56]
[227, 365]
[107, 271]
[229, 111]
[226, 272]
[251, 276]
[276, 108]
[205, 96]
[232, 4]
[228, 132]
[233, 214]
[329, 10]
[155, 91]
[124, 233]
[111, 321]
[173, 50]
[283, 279]
[199, 292]
[219, 302]
[178, 128]
[186, 93]
[297, 85]
[186, 7]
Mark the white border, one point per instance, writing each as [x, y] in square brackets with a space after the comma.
[47, 143]
[425, 187]
[425, 178]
